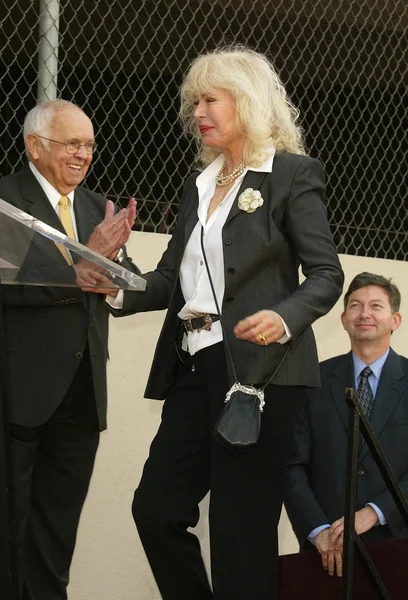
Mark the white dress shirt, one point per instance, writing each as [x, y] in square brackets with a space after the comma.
[54, 196]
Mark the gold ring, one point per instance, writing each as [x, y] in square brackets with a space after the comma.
[262, 337]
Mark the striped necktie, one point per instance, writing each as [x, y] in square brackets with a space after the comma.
[364, 392]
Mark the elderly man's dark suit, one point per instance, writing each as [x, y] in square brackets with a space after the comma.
[316, 471]
[56, 351]
[262, 252]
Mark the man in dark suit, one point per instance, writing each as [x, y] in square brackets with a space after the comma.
[56, 349]
[316, 468]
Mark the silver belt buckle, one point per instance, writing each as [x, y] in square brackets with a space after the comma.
[207, 324]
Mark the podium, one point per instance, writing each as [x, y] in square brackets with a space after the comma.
[34, 254]
[301, 576]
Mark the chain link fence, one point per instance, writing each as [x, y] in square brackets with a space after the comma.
[344, 63]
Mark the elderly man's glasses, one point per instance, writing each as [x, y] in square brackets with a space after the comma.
[72, 147]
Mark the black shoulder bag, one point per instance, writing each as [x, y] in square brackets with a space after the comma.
[239, 423]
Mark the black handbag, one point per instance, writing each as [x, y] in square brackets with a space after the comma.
[239, 423]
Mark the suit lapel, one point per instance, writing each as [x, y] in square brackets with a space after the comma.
[342, 376]
[390, 389]
[190, 219]
[86, 216]
[36, 201]
[190, 223]
[253, 179]
[37, 204]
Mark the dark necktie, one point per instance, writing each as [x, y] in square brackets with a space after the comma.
[364, 392]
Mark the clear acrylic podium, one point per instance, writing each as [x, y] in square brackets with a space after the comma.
[33, 253]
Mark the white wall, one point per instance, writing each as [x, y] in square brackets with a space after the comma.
[109, 563]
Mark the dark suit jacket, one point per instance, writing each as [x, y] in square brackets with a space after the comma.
[48, 328]
[316, 471]
[262, 253]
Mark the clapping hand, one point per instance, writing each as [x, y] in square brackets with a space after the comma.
[113, 232]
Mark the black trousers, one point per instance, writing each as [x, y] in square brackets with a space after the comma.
[185, 462]
[52, 467]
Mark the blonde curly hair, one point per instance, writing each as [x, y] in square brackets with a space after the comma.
[265, 114]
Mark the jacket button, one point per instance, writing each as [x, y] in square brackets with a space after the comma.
[229, 299]
[228, 241]
[361, 472]
[231, 270]
[79, 355]
[91, 324]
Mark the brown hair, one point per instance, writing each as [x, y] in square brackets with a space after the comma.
[364, 279]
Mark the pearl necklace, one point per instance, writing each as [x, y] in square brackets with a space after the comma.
[226, 179]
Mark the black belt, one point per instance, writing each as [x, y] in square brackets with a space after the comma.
[201, 321]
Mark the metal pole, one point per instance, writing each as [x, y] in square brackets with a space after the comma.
[8, 574]
[350, 504]
[351, 539]
[48, 50]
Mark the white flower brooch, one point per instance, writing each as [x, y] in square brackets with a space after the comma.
[250, 200]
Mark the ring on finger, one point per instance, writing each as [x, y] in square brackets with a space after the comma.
[262, 337]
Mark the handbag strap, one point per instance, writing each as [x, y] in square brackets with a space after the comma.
[222, 322]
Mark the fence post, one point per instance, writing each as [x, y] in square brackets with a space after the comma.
[48, 50]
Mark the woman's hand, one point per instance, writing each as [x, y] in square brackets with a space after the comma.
[263, 327]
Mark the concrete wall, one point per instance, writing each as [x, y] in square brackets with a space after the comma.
[109, 563]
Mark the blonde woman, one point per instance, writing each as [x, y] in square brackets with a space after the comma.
[259, 203]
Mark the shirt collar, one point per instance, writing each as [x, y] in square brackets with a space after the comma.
[52, 194]
[209, 174]
[376, 366]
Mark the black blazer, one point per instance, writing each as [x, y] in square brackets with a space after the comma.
[262, 254]
[316, 470]
[48, 328]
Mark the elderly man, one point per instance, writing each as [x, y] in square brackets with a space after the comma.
[316, 469]
[56, 351]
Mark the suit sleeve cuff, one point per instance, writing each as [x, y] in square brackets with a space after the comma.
[287, 336]
[312, 535]
[116, 302]
[381, 518]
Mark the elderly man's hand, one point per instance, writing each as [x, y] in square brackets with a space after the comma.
[332, 558]
[89, 279]
[364, 520]
[114, 231]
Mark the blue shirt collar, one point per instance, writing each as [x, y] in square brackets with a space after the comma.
[376, 366]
